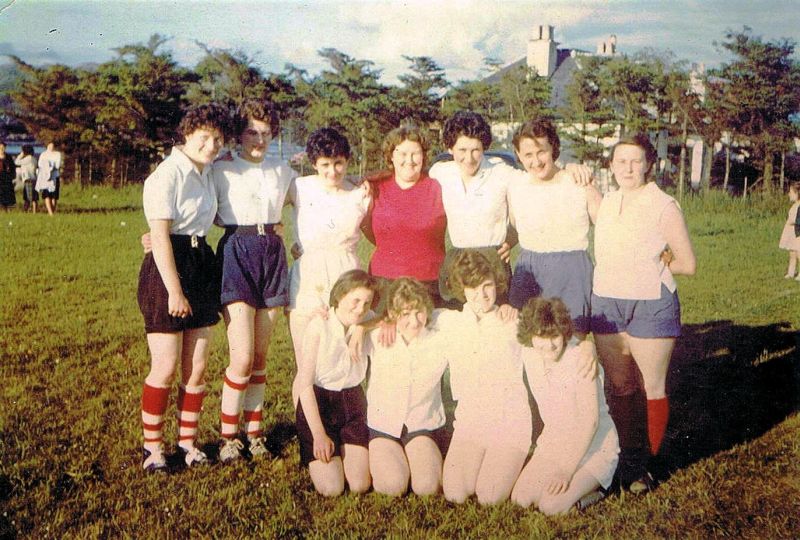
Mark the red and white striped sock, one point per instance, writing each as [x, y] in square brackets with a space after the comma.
[154, 405]
[254, 403]
[190, 402]
[233, 391]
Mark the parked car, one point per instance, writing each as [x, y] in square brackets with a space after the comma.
[508, 157]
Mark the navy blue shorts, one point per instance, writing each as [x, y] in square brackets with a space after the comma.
[253, 268]
[29, 194]
[439, 436]
[659, 318]
[562, 274]
[199, 280]
[344, 417]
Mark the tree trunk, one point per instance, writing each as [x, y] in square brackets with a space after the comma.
[783, 169]
[708, 157]
[682, 164]
[113, 173]
[727, 167]
[768, 168]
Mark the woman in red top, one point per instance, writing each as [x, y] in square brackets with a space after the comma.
[407, 220]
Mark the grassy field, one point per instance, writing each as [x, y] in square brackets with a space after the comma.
[73, 358]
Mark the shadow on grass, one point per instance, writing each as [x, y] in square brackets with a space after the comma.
[98, 210]
[729, 383]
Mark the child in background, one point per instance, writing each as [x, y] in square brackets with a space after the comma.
[327, 393]
[26, 165]
[328, 212]
[178, 287]
[578, 450]
[405, 414]
[790, 237]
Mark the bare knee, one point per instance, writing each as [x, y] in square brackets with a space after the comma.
[425, 486]
[329, 486]
[390, 484]
[521, 497]
[456, 494]
[360, 484]
[490, 495]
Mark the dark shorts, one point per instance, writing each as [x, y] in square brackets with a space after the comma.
[639, 318]
[449, 299]
[564, 274]
[29, 194]
[439, 436]
[199, 280]
[344, 417]
[253, 268]
[52, 194]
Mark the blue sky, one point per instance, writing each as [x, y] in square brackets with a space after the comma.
[457, 34]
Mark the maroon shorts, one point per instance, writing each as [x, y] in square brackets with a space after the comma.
[344, 417]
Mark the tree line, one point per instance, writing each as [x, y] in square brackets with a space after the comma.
[116, 120]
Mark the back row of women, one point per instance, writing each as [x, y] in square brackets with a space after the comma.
[396, 432]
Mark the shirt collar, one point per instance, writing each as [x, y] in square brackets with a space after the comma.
[185, 165]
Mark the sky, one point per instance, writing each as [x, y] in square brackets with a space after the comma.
[457, 34]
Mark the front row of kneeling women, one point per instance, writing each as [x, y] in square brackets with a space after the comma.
[396, 433]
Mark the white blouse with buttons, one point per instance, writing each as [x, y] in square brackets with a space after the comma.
[251, 193]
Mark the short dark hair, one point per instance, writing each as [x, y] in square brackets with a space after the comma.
[326, 142]
[351, 280]
[406, 132]
[537, 129]
[208, 116]
[794, 185]
[544, 317]
[467, 124]
[407, 292]
[257, 109]
[471, 267]
[642, 141]
[27, 149]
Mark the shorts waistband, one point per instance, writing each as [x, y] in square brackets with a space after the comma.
[262, 229]
[191, 240]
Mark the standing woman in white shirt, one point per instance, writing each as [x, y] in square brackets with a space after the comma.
[251, 189]
[178, 288]
[635, 307]
[552, 216]
[48, 181]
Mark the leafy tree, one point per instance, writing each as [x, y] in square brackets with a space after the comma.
[524, 93]
[762, 84]
[479, 96]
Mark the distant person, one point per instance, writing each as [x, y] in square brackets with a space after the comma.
[577, 453]
[331, 406]
[48, 179]
[636, 314]
[26, 168]
[790, 237]
[178, 283]
[8, 171]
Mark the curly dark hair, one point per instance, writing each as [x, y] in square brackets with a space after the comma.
[256, 109]
[467, 124]
[794, 185]
[351, 280]
[471, 267]
[208, 116]
[407, 293]
[642, 141]
[326, 142]
[544, 317]
[538, 129]
[406, 132]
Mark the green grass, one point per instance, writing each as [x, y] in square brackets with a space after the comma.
[73, 358]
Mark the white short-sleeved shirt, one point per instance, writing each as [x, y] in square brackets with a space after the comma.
[550, 216]
[555, 389]
[477, 214]
[327, 228]
[486, 378]
[628, 245]
[251, 193]
[334, 368]
[404, 387]
[177, 191]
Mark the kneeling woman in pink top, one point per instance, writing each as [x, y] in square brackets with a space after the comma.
[407, 220]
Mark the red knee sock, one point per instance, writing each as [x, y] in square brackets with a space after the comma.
[154, 405]
[657, 416]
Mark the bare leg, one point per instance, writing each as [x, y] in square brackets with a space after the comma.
[356, 468]
[499, 470]
[298, 322]
[388, 466]
[461, 468]
[328, 478]
[582, 483]
[425, 462]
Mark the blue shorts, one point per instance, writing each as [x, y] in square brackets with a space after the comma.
[659, 318]
[440, 436]
[561, 274]
[253, 268]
